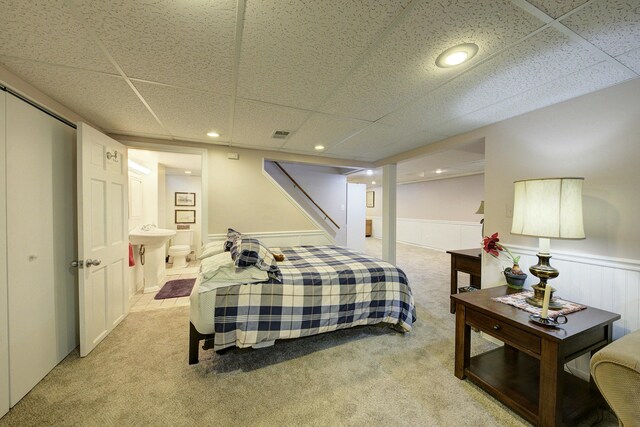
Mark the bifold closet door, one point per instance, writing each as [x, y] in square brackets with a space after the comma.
[4, 325]
[41, 243]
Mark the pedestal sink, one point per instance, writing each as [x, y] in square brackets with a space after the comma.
[153, 239]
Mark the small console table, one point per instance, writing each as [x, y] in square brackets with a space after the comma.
[527, 373]
[467, 261]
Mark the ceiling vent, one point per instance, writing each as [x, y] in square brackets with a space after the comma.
[280, 134]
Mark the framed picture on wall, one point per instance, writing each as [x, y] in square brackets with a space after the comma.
[371, 199]
[185, 199]
[185, 216]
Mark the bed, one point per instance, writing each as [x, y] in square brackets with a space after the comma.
[316, 289]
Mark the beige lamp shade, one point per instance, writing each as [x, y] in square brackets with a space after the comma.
[549, 208]
[480, 210]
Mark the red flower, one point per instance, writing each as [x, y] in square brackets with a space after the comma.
[491, 245]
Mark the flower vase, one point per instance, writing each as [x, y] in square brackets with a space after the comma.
[514, 280]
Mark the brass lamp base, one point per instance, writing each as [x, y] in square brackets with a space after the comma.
[543, 271]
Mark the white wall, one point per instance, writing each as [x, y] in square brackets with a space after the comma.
[326, 186]
[148, 200]
[452, 199]
[436, 214]
[594, 136]
[241, 197]
[184, 184]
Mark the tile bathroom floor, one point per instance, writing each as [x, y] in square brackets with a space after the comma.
[146, 302]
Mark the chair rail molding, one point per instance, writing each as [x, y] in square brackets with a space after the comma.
[283, 238]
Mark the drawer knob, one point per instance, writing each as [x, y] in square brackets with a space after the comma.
[496, 327]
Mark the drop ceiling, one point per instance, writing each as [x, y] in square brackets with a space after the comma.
[357, 77]
[464, 160]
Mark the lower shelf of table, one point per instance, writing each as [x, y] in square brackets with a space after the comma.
[513, 378]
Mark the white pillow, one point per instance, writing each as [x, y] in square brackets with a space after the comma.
[210, 251]
[212, 263]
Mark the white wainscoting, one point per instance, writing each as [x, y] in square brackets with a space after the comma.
[284, 238]
[610, 284]
[434, 234]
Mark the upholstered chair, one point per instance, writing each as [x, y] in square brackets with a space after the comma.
[616, 371]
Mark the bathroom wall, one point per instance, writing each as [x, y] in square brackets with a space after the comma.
[143, 207]
[184, 184]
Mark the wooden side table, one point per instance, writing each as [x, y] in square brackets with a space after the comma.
[467, 261]
[527, 373]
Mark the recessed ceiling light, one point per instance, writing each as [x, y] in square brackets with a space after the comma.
[439, 171]
[373, 183]
[369, 172]
[319, 147]
[457, 55]
[187, 172]
[213, 134]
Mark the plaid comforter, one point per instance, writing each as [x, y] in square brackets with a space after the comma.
[320, 289]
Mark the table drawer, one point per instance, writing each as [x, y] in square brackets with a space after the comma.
[468, 265]
[503, 331]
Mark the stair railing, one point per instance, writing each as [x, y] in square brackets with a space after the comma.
[296, 185]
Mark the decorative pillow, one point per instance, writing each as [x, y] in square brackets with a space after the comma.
[247, 252]
[210, 251]
[231, 235]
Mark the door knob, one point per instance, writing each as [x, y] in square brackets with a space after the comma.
[91, 262]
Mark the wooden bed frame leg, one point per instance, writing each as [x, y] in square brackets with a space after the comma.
[194, 341]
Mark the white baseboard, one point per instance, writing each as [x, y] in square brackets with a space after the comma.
[284, 238]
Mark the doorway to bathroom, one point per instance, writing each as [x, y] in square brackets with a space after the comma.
[167, 194]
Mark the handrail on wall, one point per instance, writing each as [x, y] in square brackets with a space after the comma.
[326, 216]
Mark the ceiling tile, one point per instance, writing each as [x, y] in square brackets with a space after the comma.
[44, 30]
[183, 43]
[556, 8]
[325, 130]
[403, 67]
[582, 82]
[611, 25]
[403, 144]
[369, 139]
[631, 60]
[320, 40]
[254, 123]
[530, 64]
[107, 101]
[189, 114]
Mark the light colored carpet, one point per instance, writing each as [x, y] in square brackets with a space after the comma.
[139, 375]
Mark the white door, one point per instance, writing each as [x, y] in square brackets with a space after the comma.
[102, 235]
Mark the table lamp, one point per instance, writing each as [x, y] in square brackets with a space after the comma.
[548, 208]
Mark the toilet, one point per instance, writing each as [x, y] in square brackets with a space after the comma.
[180, 248]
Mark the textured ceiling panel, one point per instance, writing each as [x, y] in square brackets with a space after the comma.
[556, 8]
[183, 43]
[189, 114]
[320, 40]
[611, 25]
[594, 78]
[44, 30]
[402, 144]
[325, 130]
[523, 67]
[363, 143]
[255, 122]
[106, 101]
[631, 60]
[403, 67]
